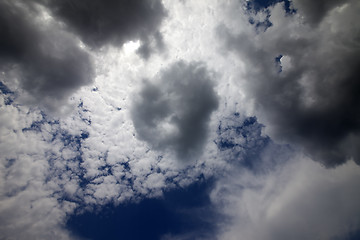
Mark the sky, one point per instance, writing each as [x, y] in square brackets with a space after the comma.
[179, 120]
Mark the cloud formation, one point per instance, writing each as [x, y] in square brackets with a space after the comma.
[299, 200]
[45, 56]
[47, 61]
[315, 11]
[304, 78]
[100, 22]
[114, 147]
[173, 112]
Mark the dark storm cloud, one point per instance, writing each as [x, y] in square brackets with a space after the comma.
[47, 61]
[311, 95]
[173, 112]
[101, 22]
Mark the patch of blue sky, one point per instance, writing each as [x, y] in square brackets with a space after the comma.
[256, 6]
[179, 211]
[352, 235]
[246, 146]
[259, 5]
[7, 92]
[278, 63]
[4, 89]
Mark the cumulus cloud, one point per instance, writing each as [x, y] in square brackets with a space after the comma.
[173, 112]
[303, 78]
[113, 22]
[46, 61]
[299, 200]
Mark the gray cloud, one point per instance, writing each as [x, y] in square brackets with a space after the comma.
[315, 11]
[173, 112]
[309, 96]
[47, 61]
[100, 22]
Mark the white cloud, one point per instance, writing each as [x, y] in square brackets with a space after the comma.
[300, 200]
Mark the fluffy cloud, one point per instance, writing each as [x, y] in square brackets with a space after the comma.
[299, 200]
[174, 111]
[30, 204]
[303, 78]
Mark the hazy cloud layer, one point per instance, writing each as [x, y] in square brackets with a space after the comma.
[114, 22]
[48, 62]
[304, 79]
[174, 111]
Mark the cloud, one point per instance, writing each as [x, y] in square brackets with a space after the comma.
[115, 148]
[174, 111]
[44, 56]
[315, 11]
[298, 200]
[47, 61]
[303, 79]
[32, 204]
[99, 22]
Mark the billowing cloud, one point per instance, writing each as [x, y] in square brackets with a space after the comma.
[45, 56]
[299, 200]
[304, 79]
[46, 61]
[100, 22]
[173, 112]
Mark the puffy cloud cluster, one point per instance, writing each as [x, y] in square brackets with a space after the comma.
[33, 176]
[304, 77]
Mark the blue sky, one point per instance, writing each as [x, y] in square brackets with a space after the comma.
[183, 210]
[179, 120]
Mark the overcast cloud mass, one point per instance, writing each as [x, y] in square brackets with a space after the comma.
[179, 120]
